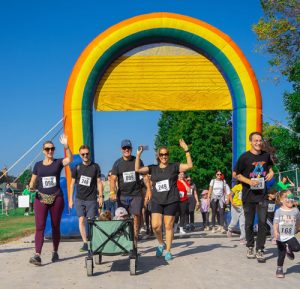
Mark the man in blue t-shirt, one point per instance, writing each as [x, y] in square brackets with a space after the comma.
[7, 197]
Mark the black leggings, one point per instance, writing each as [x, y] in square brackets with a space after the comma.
[192, 217]
[183, 213]
[205, 219]
[216, 207]
[294, 246]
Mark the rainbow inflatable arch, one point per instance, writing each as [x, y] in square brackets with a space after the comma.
[97, 67]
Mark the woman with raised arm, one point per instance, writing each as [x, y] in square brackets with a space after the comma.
[46, 179]
[165, 194]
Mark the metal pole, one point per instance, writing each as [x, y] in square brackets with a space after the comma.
[297, 184]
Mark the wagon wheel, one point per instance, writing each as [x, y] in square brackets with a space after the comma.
[89, 267]
[98, 259]
[132, 266]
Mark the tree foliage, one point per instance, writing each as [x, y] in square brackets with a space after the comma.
[283, 145]
[292, 100]
[279, 32]
[208, 136]
[24, 179]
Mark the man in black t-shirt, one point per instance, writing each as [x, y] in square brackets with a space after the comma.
[253, 169]
[129, 192]
[87, 178]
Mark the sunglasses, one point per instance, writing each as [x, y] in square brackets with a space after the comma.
[47, 149]
[218, 174]
[164, 155]
[126, 148]
[84, 154]
[289, 200]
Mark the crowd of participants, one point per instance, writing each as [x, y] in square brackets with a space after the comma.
[162, 199]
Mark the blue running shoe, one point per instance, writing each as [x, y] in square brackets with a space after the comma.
[160, 250]
[168, 256]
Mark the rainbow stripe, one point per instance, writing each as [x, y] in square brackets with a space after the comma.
[162, 27]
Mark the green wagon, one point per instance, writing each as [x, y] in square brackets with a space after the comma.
[110, 238]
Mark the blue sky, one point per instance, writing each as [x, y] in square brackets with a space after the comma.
[40, 42]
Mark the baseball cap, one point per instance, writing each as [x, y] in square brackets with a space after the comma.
[120, 212]
[126, 143]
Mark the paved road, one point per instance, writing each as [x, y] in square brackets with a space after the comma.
[202, 260]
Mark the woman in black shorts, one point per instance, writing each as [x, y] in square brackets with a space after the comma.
[165, 195]
[46, 178]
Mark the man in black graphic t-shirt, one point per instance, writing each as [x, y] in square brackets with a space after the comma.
[86, 177]
[253, 169]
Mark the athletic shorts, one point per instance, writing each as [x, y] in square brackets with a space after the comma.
[88, 209]
[6, 202]
[167, 210]
[133, 205]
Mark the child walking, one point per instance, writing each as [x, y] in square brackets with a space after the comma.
[237, 212]
[204, 209]
[286, 225]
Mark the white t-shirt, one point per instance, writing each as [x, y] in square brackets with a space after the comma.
[218, 187]
[287, 222]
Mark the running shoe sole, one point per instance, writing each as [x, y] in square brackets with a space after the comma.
[35, 262]
[168, 256]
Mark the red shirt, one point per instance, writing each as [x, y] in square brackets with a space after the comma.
[182, 190]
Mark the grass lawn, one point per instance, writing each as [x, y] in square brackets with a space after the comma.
[16, 225]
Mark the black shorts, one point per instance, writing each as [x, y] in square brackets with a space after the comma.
[133, 205]
[167, 210]
[88, 209]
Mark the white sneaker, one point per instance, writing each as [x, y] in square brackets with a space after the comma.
[214, 230]
[143, 230]
[181, 231]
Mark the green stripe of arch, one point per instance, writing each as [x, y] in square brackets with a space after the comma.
[178, 37]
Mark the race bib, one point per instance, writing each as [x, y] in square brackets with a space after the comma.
[49, 182]
[181, 194]
[260, 185]
[129, 177]
[85, 181]
[190, 192]
[287, 230]
[271, 208]
[162, 186]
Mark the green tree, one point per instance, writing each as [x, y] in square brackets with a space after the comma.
[24, 179]
[292, 100]
[208, 136]
[284, 146]
[279, 33]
